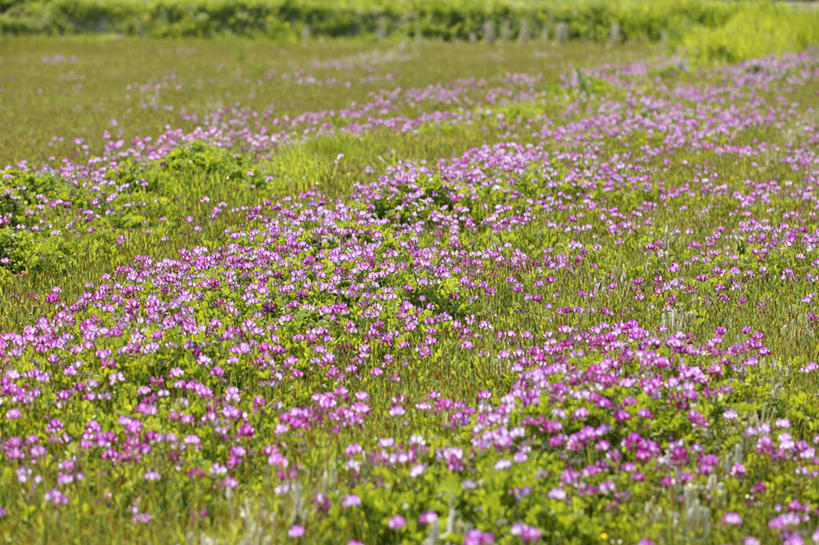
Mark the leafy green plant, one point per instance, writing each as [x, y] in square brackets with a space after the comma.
[753, 31]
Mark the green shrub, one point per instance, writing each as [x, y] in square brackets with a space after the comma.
[450, 20]
[754, 31]
[36, 236]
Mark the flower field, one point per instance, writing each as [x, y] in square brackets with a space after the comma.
[572, 303]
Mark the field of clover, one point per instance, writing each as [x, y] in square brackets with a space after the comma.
[593, 322]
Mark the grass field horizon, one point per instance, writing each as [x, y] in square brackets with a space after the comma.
[402, 291]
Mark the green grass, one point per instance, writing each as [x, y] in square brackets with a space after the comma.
[174, 186]
[295, 167]
[79, 99]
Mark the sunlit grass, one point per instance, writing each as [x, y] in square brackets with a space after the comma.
[488, 323]
[146, 84]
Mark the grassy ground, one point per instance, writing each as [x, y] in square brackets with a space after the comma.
[73, 87]
[547, 294]
[84, 84]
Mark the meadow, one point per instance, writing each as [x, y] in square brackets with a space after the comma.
[401, 291]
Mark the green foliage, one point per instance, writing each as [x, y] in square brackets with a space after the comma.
[42, 232]
[24, 244]
[754, 31]
[188, 166]
[459, 20]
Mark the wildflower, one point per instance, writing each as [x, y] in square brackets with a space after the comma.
[397, 522]
[56, 497]
[428, 517]
[417, 470]
[645, 413]
[557, 494]
[528, 534]
[281, 489]
[783, 521]
[732, 519]
[351, 501]
[296, 531]
[141, 518]
[217, 469]
[477, 537]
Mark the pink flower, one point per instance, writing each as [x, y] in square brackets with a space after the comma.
[56, 497]
[794, 539]
[783, 521]
[396, 522]
[351, 501]
[428, 517]
[296, 531]
[417, 470]
[476, 537]
[141, 518]
[732, 519]
[528, 534]
[557, 494]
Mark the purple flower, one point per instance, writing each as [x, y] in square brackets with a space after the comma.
[428, 517]
[794, 539]
[732, 519]
[417, 470]
[783, 521]
[557, 494]
[296, 531]
[396, 522]
[56, 497]
[477, 537]
[500, 465]
[351, 501]
[141, 518]
[528, 534]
